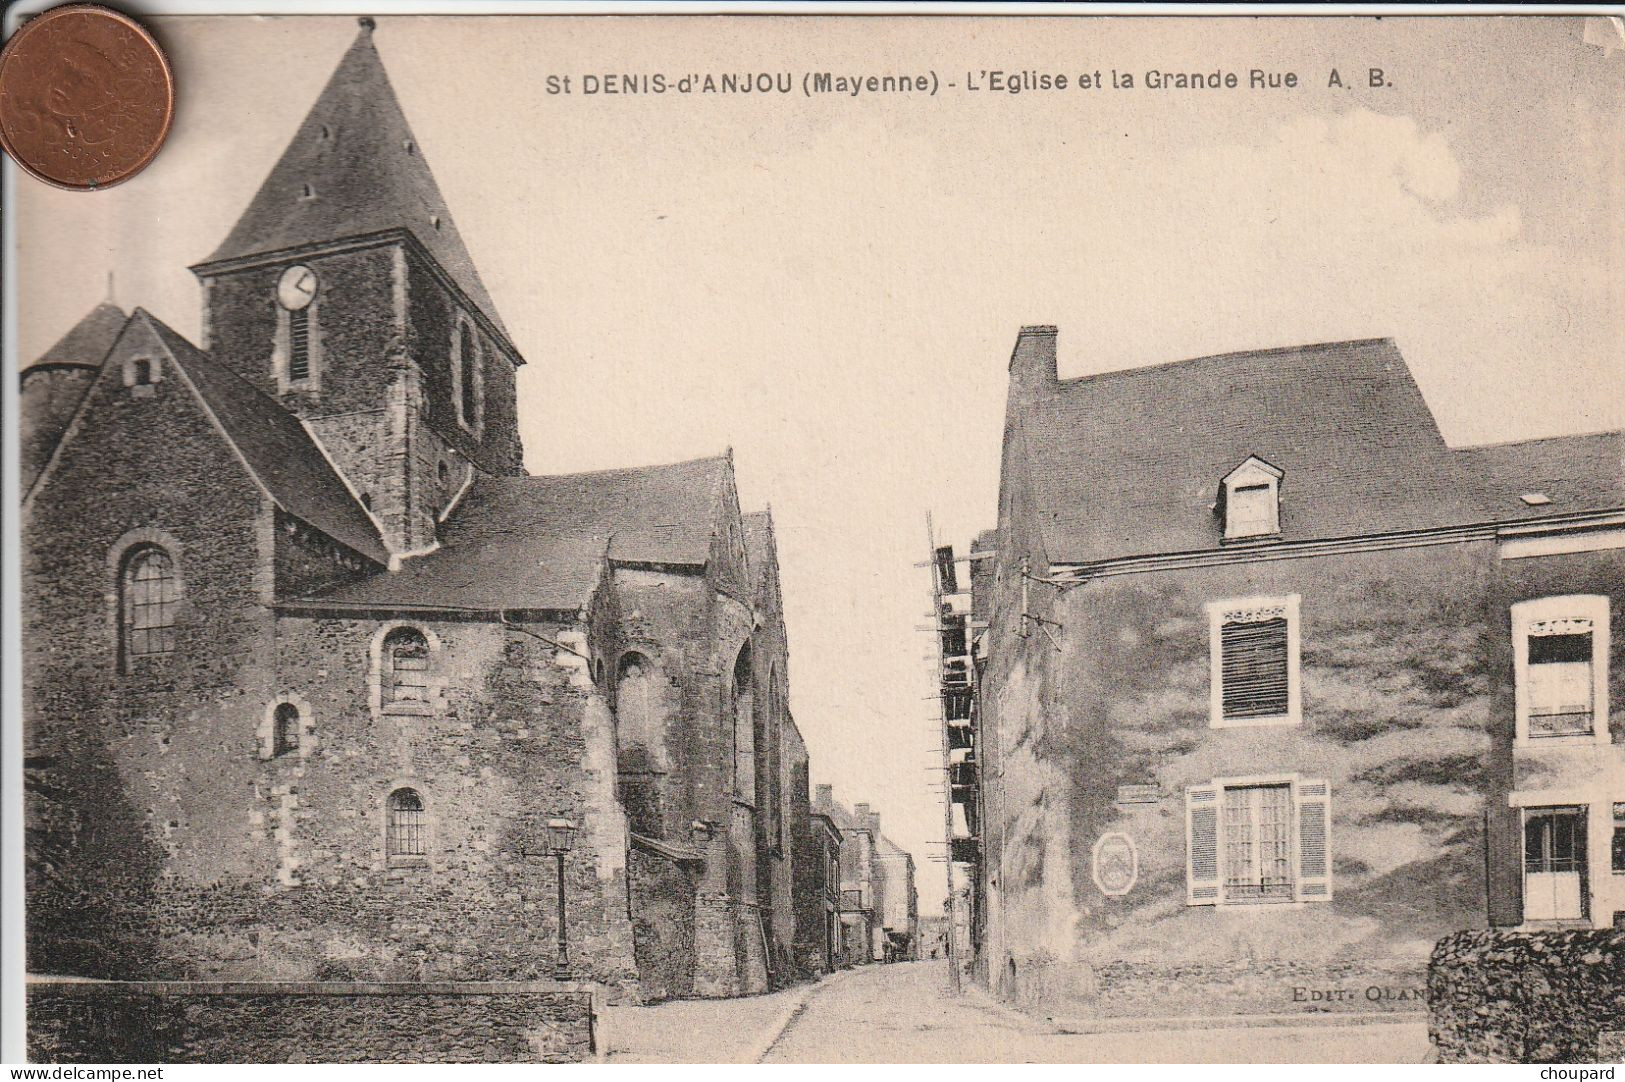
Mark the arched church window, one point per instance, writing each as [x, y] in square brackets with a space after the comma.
[744, 729]
[468, 375]
[150, 596]
[406, 666]
[636, 701]
[407, 834]
[285, 729]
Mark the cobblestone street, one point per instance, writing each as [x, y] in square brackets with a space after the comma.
[903, 1014]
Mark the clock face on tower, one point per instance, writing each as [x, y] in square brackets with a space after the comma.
[296, 288]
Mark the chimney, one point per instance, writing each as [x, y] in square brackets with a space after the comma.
[860, 812]
[824, 796]
[1032, 364]
[871, 819]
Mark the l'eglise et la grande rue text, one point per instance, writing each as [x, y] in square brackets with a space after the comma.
[1017, 82]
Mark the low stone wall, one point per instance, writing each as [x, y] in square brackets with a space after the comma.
[1526, 997]
[1220, 988]
[73, 1021]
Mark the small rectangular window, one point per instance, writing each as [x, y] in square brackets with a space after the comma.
[1619, 839]
[1253, 662]
[1560, 657]
[298, 345]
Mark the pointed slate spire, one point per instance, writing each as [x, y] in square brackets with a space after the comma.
[353, 169]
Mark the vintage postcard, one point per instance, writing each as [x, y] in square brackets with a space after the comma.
[816, 538]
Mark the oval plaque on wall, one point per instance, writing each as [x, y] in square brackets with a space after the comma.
[1116, 864]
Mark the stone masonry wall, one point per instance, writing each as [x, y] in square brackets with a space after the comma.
[430, 329]
[514, 733]
[663, 914]
[125, 765]
[186, 1022]
[48, 397]
[1527, 997]
[354, 323]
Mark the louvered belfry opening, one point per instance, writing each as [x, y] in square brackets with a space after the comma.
[299, 344]
[1254, 668]
[467, 373]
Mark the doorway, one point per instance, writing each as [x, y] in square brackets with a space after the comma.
[1554, 863]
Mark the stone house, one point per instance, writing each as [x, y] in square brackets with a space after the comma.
[818, 898]
[859, 889]
[310, 663]
[879, 900]
[1277, 688]
[898, 910]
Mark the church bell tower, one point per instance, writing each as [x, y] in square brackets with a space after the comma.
[345, 293]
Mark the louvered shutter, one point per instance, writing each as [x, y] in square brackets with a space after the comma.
[1253, 668]
[1202, 845]
[1314, 841]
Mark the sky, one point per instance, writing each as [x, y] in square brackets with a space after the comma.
[832, 285]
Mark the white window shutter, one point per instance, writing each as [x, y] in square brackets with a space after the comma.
[1202, 845]
[1314, 841]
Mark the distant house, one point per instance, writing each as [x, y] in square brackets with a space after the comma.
[880, 906]
[899, 908]
[1277, 688]
[818, 901]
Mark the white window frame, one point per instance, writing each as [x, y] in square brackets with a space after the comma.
[1296, 783]
[1528, 618]
[378, 673]
[1254, 471]
[1243, 610]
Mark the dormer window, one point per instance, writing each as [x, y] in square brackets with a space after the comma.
[1250, 501]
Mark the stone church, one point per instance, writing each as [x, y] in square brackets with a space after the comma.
[311, 663]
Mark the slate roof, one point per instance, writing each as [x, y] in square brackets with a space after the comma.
[87, 343]
[1576, 473]
[366, 174]
[1128, 463]
[838, 814]
[543, 542]
[278, 449]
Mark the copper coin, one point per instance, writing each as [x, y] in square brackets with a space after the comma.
[86, 97]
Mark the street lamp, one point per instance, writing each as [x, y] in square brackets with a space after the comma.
[561, 838]
[701, 830]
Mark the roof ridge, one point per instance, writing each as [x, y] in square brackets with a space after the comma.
[1541, 439]
[1162, 366]
[613, 469]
